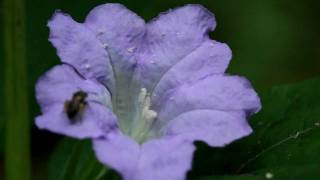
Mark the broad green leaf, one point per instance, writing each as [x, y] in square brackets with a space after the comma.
[74, 159]
[292, 173]
[286, 134]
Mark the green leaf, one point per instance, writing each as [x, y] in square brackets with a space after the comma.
[15, 94]
[286, 136]
[293, 172]
[74, 159]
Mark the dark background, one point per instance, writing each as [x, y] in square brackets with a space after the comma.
[273, 42]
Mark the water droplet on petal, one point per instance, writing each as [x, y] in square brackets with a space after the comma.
[87, 66]
[152, 62]
[104, 45]
[179, 34]
[101, 31]
[131, 49]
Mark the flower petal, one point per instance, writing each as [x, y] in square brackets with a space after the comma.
[61, 82]
[170, 38]
[77, 45]
[166, 158]
[118, 28]
[118, 152]
[95, 122]
[210, 58]
[217, 128]
[216, 92]
[122, 32]
[56, 87]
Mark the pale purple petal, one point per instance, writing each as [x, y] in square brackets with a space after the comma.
[170, 38]
[119, 29]
[95, 122]
[210, 58]
[216, 92]
[122, 32]
[119, 152]
[56, 87]
[77, 45]
[167, 158]
[217, 128]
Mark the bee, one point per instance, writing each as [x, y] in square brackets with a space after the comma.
[75, 106]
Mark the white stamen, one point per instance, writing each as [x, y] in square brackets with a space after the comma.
[150, 115]
[146, 117]
[142, 95]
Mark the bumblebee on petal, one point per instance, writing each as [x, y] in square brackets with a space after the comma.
[75, 107]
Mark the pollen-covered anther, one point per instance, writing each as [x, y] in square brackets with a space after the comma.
[145, 103]
[146, 116]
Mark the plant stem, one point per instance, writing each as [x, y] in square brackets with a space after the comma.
[17, 153]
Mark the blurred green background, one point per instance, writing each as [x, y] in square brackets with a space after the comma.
[273, 42]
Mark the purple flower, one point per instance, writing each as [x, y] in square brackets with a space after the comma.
[144, 92]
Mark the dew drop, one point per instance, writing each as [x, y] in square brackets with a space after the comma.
[104, 45]
[87, 66]
[131, 49]
[269, 175]
[317, 124]
[178, 34]
[296, 135]
[100, 31]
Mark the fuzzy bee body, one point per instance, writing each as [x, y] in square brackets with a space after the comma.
[75, 106]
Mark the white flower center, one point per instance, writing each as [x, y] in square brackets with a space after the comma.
[132, 105]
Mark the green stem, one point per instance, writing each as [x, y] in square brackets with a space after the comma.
[17, 151]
